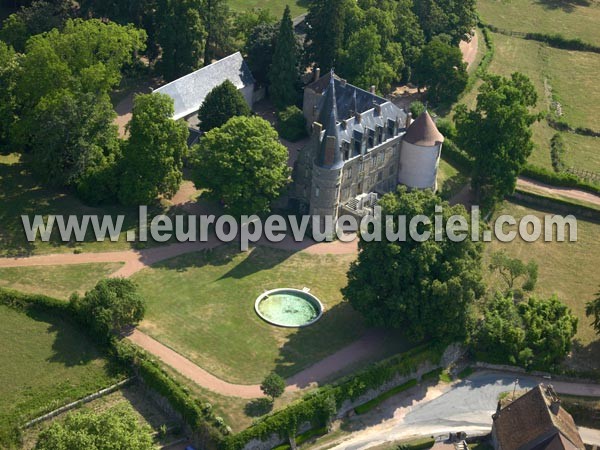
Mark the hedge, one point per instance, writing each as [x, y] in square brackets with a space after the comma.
[559, 41]
[368, 406]
[420, 444]
[24, 302]
[558, 179]
[303, 437]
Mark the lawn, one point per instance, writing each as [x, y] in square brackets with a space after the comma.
[450, 180]
[56, 281]
[202, 305]
[276, 7]
[571, 18]
[44, 363]
[569, 269]
[576, 91]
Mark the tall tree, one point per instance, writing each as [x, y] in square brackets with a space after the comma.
[511, 269]
[441, 69]
[325, 36]
[153, 154]
[242, 164]
[426, 288]
[284, 74]
[363, 63]
[592, 309]
[221, 104]
[498, 135]
[446, 17]
[9, 65]
[112, 305]
[217, 21]
[116, 428]
[259, 50]
[181, 36]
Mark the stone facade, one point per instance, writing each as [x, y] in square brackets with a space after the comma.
[355, 153]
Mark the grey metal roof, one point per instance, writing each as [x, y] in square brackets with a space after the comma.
[189, 92]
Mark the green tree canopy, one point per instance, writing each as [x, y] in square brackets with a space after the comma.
[364, 64]
[9, 64]
[259, 50]
[536, 334]
[221, 104]
[425, 288]
[498, 135]
[446, 17]
[441, 69]
[284, 74]
[115, 429]
[110, 306]
[181, 35]
[74, 134]
[243, 164]
[153, 154]
[326, 21]
[511, 269]
[273, 386]
[592, 309]
[216, 17]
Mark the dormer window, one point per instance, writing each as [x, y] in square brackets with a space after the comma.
[371, 138]
[346, 149]
[390, 128]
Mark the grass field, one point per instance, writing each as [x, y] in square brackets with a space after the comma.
[276, 7]
[56, 281]
[569, 269]
[571, 18]
[202, 305]
[44, 363]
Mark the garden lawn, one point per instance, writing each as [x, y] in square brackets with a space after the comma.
[571, 18]
[576, 90]
[56, 281]
[202, 305]
[45, 362]
[569, 269]
[276, 7]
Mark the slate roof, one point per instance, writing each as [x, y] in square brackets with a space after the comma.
[189, 92]
[339, 119]
[528, 423]
[347, 96]
[423, 132]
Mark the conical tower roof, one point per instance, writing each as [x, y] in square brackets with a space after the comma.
[423, 132]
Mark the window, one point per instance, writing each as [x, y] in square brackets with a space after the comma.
[361, 167]
[380, 176]
[373, 162]
[391, 126]
[346, 149]
[379, 134]
[381, 158]
[391, 171]
[349, 173]
[371, 138]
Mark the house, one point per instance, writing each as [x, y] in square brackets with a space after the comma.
[361, 146]
[188, 92]
[535, 421]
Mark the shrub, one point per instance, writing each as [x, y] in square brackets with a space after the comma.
[273, 386]
[557, 152]
[416, 108]
[447, 128]
[291, 124]
[368, 406]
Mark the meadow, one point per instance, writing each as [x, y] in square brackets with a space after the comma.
[56, 281]
[45, 362]
[571, 18]
[202, 305]
[276, 7]
[567, 269]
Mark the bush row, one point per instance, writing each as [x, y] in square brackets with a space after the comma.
[556, 40]
[488, 56]
[304, 437]
[558, 179]
[557, 153]
[561, 125]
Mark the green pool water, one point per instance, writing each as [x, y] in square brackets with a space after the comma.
[289, 308]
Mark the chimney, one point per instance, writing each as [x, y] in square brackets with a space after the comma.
[343, 82]
[357, 117]
[377, 109]
[317, 129]
[555, 406]
[408, 119]
[372, 90]
[317, 73]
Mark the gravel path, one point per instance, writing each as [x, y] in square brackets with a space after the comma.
[562, 191]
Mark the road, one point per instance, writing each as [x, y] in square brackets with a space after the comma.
[464, 406]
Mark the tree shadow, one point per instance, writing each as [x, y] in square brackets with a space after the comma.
[567, 6]
[338, 344]
[258, 407]
[258, 259]
[585, 357]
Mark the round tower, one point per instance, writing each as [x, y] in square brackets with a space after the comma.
[420, 154]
